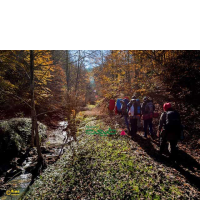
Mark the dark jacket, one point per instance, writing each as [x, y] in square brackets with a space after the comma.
[124, 108]
[143, 107]
[168, 135]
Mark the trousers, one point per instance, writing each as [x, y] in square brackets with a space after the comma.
[133, 127]
[126, 122]
[173, 144]
[148, 122]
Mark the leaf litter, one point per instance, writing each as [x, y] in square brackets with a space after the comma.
[109, 167]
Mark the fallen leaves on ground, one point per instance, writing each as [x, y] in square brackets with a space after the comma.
[110, 167]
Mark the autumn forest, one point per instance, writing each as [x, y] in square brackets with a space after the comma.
[49, 97]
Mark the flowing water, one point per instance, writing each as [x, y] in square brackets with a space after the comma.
[19, 184]
[63, 125]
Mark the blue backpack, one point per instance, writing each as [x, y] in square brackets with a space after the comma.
[138, 106]
[118, 103]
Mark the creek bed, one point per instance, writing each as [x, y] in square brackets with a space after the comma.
[18, 185]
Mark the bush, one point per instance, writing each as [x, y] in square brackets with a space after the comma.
[15, 135]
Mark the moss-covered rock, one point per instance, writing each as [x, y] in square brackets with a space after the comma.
[15, 135]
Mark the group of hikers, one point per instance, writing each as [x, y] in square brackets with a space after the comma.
[169, 129]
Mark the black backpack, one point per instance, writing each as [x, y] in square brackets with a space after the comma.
[149, 107]
[173, 122]
[124, 109]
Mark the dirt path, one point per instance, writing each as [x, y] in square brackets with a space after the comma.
[94, 112]
[116, 167]
[187, 170]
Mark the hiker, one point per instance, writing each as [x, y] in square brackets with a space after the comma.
[133, 115]
[169, 129]
[124, 111]
[147, 112]
[139, 125]
[118, 107]
[111, 106]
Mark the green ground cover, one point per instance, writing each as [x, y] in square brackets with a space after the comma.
[103, 167]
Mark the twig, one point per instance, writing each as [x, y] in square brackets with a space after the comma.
[13, 177]
[47, 112]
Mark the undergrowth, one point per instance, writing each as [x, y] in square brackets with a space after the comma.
[104, 167]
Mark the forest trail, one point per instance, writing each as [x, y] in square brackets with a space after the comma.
[94, 112]
[187, 170]
[113, 166]
[116, 167]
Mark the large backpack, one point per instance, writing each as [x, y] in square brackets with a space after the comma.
[124, 107]
[173, 122]
[111, 104]
[138, 106]
[149, 107]
[118, 104]
[126, 101]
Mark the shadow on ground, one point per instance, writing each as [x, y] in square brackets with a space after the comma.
[186, 165]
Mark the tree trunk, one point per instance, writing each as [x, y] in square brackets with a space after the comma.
[67, 70]
[128, 71]
[77, 74]
[77, 81]
[67, 84]
[33, 111]
[102, 59]
[32, 98]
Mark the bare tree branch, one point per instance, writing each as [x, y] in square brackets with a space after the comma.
[9, 93]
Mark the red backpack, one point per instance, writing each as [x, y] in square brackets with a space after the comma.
[111, 104]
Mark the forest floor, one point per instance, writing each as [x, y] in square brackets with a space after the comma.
[116, 167]
[186, 170]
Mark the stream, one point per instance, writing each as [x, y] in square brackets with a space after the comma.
[19, 184]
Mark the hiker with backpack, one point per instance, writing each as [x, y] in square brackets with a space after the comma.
[169, 129]
[118, 107]
[139, 125]
[133, 115]
[124, 112]
[147, 112]
[111, 106]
